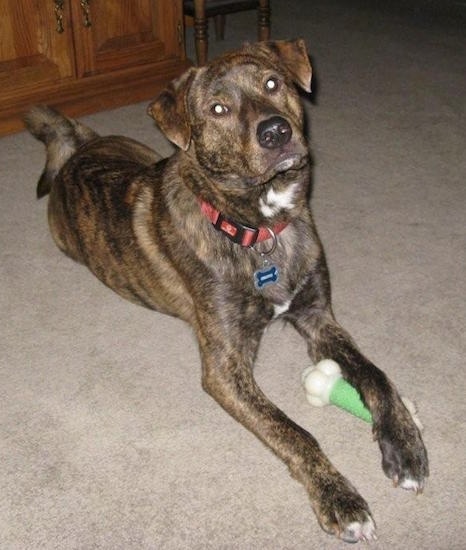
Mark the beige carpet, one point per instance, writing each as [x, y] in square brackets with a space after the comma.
[106, 438]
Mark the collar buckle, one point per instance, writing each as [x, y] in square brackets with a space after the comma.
[236, 231]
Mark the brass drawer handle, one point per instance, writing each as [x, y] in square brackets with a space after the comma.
[59, 15]
[86, 12]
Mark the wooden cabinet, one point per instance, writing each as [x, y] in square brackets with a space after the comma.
[85, 55]
[32, 53]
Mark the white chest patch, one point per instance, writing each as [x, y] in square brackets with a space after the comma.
[274, 201]
[278, 309]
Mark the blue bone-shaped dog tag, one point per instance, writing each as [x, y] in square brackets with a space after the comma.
[265, 276]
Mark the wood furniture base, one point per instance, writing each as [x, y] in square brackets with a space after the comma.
[94, 94]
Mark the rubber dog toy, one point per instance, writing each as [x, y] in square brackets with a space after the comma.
[324, 384]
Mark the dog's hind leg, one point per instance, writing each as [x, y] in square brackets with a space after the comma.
[228, 355]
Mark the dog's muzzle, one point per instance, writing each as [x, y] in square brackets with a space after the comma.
[273, 132]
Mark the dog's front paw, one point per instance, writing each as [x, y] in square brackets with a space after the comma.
[341, 511]
[404, 456]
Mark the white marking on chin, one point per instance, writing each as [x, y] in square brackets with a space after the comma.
[275, 201]
[285, 165]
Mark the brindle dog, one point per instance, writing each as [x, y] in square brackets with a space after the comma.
[221, 235]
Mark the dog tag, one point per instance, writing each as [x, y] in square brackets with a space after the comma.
[267, 275]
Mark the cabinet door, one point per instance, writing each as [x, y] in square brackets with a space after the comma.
[32, 52]
[110, 36]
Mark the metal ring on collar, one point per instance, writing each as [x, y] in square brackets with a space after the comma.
[274, 244]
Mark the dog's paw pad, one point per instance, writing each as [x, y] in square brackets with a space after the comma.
[359, 531]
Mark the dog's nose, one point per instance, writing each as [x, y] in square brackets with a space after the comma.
[273, 132]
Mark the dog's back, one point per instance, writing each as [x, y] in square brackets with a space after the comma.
[91, 216]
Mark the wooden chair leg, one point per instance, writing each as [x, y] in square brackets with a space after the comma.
[263, 20]
[201, 27]
[200, 31]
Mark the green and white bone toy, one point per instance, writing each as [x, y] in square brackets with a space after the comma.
[324, 384]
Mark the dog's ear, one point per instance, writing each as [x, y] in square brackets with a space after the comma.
[293, 55]
[169, 110]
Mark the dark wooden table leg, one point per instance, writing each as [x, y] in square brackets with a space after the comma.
[263, 20]
[200, 31]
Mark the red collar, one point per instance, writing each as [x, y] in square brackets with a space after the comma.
[238, 232]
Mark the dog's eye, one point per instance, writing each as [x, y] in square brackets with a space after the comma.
[218, 109]
[272, 84]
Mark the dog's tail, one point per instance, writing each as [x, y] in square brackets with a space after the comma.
[62, 136]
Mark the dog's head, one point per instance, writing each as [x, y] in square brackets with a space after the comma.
[240, 116]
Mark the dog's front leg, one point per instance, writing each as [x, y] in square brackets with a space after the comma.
[228, 354]
[404, 457]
